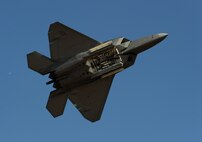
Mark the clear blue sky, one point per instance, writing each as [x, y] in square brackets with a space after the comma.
[156, 100]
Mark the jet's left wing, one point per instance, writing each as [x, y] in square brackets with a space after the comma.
[66, 42]
[90, 99]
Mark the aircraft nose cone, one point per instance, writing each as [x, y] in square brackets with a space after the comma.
[142, 44]
[163, 34]
[159, 37]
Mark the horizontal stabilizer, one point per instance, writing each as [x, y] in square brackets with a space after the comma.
[56, 103]
[39, 63]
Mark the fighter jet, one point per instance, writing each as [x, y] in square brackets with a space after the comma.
[82, 69]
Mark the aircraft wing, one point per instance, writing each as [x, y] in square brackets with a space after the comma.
[66, 42]
[90, 99]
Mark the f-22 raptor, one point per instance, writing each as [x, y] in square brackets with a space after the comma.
[82, 69]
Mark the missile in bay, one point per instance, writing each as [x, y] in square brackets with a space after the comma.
[82, 69]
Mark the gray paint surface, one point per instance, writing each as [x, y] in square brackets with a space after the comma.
[82, 69]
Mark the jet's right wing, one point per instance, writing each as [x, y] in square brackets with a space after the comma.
[90, 99]
[66, 42]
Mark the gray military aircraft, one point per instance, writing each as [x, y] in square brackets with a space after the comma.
[82, 69]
